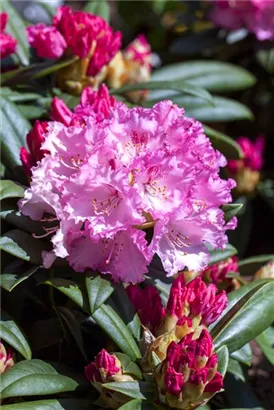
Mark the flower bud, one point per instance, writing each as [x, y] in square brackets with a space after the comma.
[188, 376]
[104, 369]
[35, 138]
[7, 43]
[265, 272]
[148, 305]
[60, 112]
[196, 301]
[217, 274]
[6, 358]
[246, 171]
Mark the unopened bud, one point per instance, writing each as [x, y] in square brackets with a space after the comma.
[60, 111]
[6, 358]
[265, 272]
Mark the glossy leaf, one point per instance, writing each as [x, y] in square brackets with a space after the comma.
[135, 404]
[52, 404]
[129, 367]
[9, 281]
[235, 368]
[219, 255]
[231, 210]
[19, 96]
[243, 355]
[10, 189]
[72, 290]
[23, 246]
[179, 86]
[266, 342]
[246, 318]
[250, 265]
[13, 134]
[16, 27]
[11, 333]
[130, 389]
[98, 290]
[99, 8]
[112, 324]
[34, 378]
[212, 75]
[223, 358]
[62, 63]
[223, 143]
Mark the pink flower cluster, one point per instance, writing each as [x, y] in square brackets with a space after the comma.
[106, 180]
[190, 366]
[77, 33]
[218, 272]
[139, 50]
[104, 366]
[256, 15]
[7, 42]
[252, 155]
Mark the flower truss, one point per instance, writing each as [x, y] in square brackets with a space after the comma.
[111, 172]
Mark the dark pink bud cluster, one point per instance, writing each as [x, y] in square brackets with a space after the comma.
[217, 273]
[104, 366]
[189, 371]
[196, 299]
[7, 42]
[253, 155]
[148, 305]
[79, 33]
[35, 138]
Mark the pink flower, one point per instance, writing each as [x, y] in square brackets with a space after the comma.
[189, 370]
[60, 112]
[139, 50]
[253, 155]
[7, 43]
[148, 305]
[47, 41]
[256, 15]
[111, 176]
[78, 33]
[196, 299]
[35, 138]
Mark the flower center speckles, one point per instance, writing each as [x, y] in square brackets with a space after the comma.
[112, 248]
[75, 162]
[106, 206]
[137, 143]
[179, 240]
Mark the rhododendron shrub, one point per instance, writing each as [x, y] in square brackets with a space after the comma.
[107, 180]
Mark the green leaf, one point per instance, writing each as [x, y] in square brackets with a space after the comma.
[223, 358]
[34, 378]
[250, 265]
[10, 189]
[30, 111]
[99, 8]
[130, 389]
[235, 368]
[9, 281]
[266, 59]
[266, 342]
[23, 246]
[62, 63]
[243, 355]
[11, 334]
[220, 255]
[223, 110]
[52, 404]
[72, 290]
[231, 210]
[98, 290]
[245, 318]
[13, 135]
[112, 324]
[223, 143]
[135, 404]
[16, 27]
[129, 367]
[178, 86]
[211, 75]
[19, 96]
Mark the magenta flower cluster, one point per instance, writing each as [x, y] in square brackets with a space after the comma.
[107, 179]
[256, 15]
